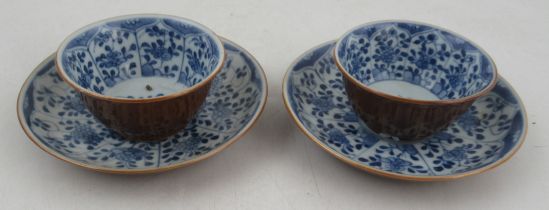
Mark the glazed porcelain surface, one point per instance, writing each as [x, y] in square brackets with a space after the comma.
[490, 132]
[140, 56]
[414, 61]
[55, 118]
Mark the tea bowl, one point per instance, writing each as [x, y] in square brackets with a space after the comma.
[144, 76]
[408, 79]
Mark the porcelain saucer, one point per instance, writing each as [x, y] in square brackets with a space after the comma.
[487, 135]
[55, 119]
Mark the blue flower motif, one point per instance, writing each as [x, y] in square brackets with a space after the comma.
[191, 143]
[158, 51]
[386, 54]
[112, 59]
[128, 155]
[337, 138]
[188, 146]
[221, 113]
[73, 106]
[455, 80]
[424, 61]
[102, 37]
[155, 31]
[323, 104]
[308, 79]
[395, 164]
[457, 154]
[496, 104]
[407, 148]
[366, 140]
[216, 83]
[469, 121]
[80, 69]
[84, 80]
[76, 104]
[202, 58]
[84, 133]
[355, 65]
[221, 110]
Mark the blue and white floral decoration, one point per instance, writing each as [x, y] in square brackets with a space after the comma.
[489, 132]
[142, 46]
[444, 63]
[55, 118]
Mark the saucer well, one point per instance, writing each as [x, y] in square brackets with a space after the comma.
[55, 119]
[487, 135]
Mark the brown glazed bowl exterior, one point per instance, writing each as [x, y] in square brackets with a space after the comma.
[154, 120]
[407, 119]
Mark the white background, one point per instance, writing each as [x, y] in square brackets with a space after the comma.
[275, 166]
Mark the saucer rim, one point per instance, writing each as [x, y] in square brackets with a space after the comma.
[388, 174]
[30, 135]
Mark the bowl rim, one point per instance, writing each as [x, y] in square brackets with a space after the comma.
[365, 87]
[61, 71]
